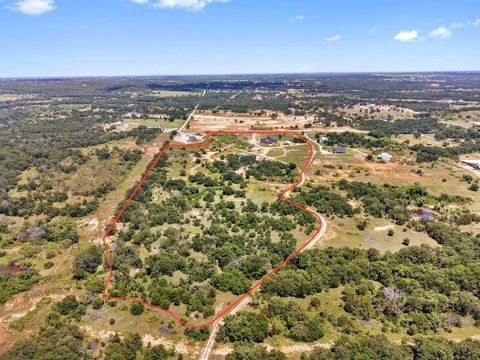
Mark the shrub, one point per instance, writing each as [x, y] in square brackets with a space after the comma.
[136, 309]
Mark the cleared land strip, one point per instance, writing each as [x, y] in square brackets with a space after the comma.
[284, 196]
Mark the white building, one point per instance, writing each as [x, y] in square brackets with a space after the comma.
[475, 164]
[385, 157]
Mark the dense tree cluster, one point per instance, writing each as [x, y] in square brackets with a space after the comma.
[249, 352]
[11, 284]
[289, 319]
[421, 289]
[380, 128]
[246, 327]
[131, 348]
[378, 347]
[87, 261]
[434, 153]
[326, 201]
[387, 200]
[353, 140]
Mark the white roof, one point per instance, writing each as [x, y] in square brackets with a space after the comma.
[473, 162]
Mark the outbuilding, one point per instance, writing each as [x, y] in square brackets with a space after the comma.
[385, 157]
[339, 150]
[474, 164]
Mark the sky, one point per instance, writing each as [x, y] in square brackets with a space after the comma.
[40, 38]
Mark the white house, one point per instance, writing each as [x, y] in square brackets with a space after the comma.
[385, 157]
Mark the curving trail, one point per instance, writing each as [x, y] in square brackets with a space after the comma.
[242, 299]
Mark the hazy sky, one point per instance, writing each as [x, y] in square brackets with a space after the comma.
[143, 37]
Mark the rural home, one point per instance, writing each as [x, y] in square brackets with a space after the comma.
[268, 141]
[339, 150]
[385, 157]
[424, 214]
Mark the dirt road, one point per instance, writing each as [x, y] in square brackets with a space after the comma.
[207, 349]
[320, 146]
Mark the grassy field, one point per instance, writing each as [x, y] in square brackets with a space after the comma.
[440, 177]
[425, 139]
[465, 117]
[344, 233]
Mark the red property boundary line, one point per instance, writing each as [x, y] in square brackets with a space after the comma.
[257, 284]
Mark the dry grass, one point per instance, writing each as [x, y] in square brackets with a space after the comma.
[344, 233]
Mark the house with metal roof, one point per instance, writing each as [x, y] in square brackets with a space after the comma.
[339, 150]
[268, 141]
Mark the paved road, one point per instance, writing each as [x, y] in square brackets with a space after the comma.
[180, 129]
[229, 99]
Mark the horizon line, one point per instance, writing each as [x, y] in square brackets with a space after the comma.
[45, 77]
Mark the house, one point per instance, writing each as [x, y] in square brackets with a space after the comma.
[339, 150]
[474, 164]
[288, 143]
[424, 214]
[133, 115]
[323, 139]
[385, 157]
[192, 138]
[256, 148]
[268, 141]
